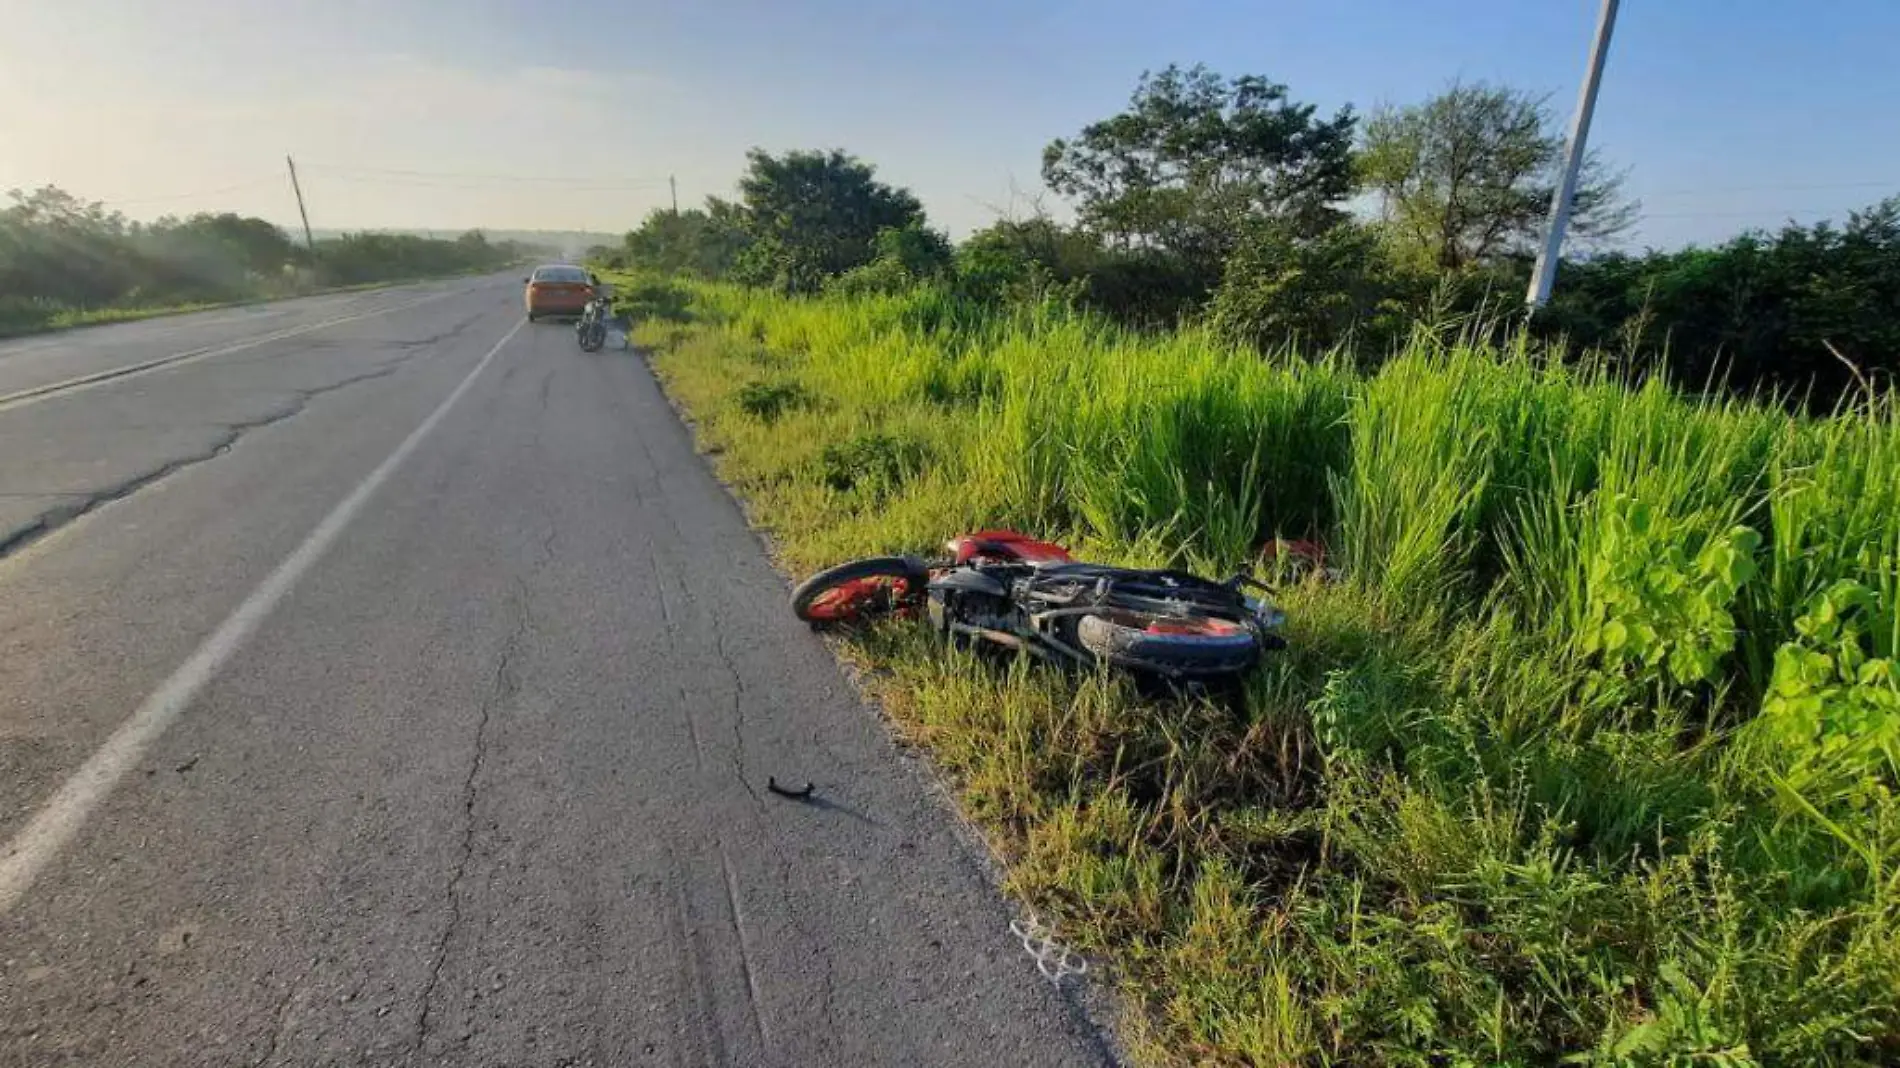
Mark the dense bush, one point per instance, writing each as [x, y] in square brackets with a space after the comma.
[702, 243]
[65, 260]
[904, 256]
[1787, 311]
[1316, 293]
[370, 257]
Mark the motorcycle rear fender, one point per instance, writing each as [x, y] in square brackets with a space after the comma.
[1006, 545]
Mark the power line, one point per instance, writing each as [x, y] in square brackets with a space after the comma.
[405, 183]
[1797, 187]
[604, 183]
[192, 196]
[1740, 214]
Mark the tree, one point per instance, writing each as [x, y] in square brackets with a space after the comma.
[1026, 260]
[209, 257]
[921, 251]
[1066, 252]
[1467, 177]
[1197, 159]
[250, 243]
[1313, 292]
[1788, 310]
[904, 258]
[701, 242]
[60, 253]
[812, 215]
[55, 246]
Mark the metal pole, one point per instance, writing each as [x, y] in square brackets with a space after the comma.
[674, 186]
[1546, 273]
[309, 242]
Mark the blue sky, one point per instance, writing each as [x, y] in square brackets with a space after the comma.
[448, 113]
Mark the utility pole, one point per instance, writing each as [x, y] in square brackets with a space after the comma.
[674, 186]
[1546, 273]
[309, 242]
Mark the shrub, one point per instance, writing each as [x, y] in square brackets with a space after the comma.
[873, 463]
[880, 276]
[1280, 291]
[646, 296]
[769, 400]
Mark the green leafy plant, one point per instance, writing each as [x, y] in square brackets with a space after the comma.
[1653, 608]
[1830, 723]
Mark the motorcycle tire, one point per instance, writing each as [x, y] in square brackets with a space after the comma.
[860, 590]
[1192, 648]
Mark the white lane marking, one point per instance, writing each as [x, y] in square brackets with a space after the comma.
[21, 398]
[164, 325]
[60, 819]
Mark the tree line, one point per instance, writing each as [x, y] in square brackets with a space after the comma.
[60, 254]
[1226, 200]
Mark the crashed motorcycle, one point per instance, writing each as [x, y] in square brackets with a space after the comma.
[1003, 589]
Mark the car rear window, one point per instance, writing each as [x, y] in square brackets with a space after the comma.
[560, 274]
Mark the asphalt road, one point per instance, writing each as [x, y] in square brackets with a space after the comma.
[388, 682]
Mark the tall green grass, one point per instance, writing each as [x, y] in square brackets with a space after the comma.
[1590, 754]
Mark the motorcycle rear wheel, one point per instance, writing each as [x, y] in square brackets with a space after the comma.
[1193, 647]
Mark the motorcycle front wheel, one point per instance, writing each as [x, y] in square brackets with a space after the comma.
[859, 590]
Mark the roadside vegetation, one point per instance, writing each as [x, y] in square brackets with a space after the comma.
[1591, 750]
[68, 262]
[1587, 749]
[1224, 201]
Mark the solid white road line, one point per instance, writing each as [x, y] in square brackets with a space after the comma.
[23, 397]
[61, 818]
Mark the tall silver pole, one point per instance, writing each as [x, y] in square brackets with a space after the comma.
[1546, 273]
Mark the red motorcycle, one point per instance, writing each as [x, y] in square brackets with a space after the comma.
[1008, 590]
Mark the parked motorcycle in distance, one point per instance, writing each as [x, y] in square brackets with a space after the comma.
[591, 330]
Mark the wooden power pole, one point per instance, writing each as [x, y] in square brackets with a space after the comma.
[309, 242]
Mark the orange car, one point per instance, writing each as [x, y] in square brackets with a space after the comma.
[558, 289]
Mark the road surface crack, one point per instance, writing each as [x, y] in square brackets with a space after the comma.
[75, 506]
[504, 687]
[738, 711]
[281, 1015]
[280, 1018]
[451, 333]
